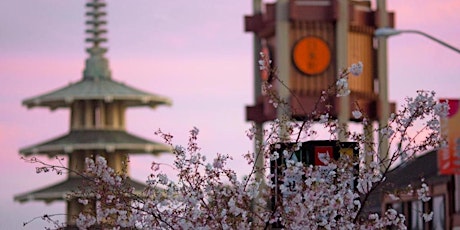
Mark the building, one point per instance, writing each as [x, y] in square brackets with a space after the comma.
[406, 179]
[97, 105]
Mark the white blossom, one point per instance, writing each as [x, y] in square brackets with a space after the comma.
[83, 201]
[261, 64]
[357, 114]
[264, 62]
[442, 109]
[387, 131]
[342, 87]
[356, 69]
[274, 156]
[373, 216]
[423, 193]
[427, 217]
[162, 178]
[85, 222]
[324, 118]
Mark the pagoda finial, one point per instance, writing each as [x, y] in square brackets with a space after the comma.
[96, 65]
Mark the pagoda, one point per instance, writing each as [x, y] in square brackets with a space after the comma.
[97, 106]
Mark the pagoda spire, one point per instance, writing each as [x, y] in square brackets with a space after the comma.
[96, 66]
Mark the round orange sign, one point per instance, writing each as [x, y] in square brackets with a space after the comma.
[311, 55]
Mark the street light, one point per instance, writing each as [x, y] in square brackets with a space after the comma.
[388, 32]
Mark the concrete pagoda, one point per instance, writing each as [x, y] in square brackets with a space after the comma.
[97, 106]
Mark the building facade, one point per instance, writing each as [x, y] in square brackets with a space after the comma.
[403, 182]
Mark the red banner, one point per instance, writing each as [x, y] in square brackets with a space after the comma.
[449, 157]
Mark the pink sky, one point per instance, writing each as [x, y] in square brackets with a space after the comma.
[195, 52]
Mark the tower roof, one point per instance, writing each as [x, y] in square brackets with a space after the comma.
[60, 190]
[96, 89]
[97, 83]
[94, 140]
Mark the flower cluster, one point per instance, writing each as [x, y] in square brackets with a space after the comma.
[342, 81]
[207, 194]
[264, 62]
[342, 87]
[356, 69]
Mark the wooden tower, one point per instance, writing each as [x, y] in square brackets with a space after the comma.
[313, 40]
[97, 105]
[309, 42]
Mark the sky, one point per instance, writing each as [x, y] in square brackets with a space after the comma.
[194, 52]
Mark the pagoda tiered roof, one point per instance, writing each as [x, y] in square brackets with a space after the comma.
[96, 89]
[94, 140]
[61, 190]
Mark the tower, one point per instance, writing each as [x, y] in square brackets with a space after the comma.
[309, 42]
[313, 39]
[97, 105]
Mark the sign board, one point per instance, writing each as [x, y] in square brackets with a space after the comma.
[449, 157]
[309, 153]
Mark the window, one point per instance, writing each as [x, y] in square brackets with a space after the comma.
[416, 212]
[439, 217]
